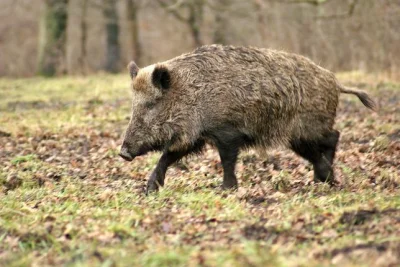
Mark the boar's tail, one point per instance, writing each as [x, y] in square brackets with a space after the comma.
[363, 96]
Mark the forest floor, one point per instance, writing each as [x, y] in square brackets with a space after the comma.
[66, 197]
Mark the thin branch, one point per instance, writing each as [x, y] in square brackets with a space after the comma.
[311, 2]
[349, 13]
[172, 9]
[177, 5]
[97, 5]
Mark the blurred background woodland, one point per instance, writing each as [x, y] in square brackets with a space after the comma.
[53, 37]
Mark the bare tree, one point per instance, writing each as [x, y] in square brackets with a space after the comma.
[194, 18]
[317, 3]
[132, 9]
[340, 34]
[222, 11]
[348, 13]
[82, 60]
[112, 35]
[53, 36]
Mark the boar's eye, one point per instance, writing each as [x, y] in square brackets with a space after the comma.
[150, 105]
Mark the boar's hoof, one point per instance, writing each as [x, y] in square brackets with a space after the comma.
[227, 186]
[154, 183]
[151, 187]
[327, 178]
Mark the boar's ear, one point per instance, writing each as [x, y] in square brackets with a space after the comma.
[133, 69]
[161, 78]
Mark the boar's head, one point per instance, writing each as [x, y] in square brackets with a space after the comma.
[157, 112]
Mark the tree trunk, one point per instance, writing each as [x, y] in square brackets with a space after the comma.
[222, 22]
[195, 20]
[112, 35]
[53, 33]
[132, 9]
[195, 9]
[83, 24]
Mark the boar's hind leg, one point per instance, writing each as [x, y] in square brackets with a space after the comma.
[328, 145]
[320, 153]
[167, 159]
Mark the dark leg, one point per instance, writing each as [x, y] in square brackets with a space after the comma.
[323, 171]
[329, 144]
[228, 155]
[320, 154]
[228, 142]
[167, 159]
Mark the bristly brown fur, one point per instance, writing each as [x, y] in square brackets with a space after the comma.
[235, 97]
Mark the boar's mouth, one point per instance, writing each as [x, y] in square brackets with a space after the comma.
[144, 149]
[130, 155]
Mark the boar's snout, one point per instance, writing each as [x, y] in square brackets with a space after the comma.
[125, 154]
[130, 151]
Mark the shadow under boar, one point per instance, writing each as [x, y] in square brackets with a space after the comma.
[234, 98]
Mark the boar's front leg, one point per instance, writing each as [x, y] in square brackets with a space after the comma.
[167, 159]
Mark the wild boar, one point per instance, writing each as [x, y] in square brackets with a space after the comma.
[234, 98]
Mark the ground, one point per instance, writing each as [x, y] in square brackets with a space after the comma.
[67, 198]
